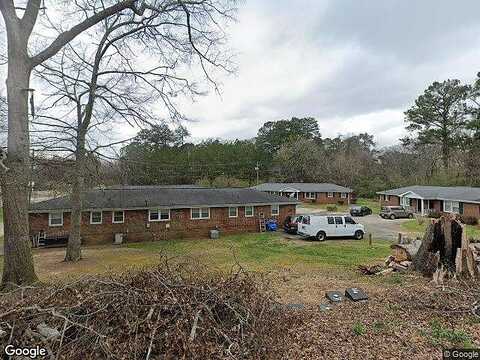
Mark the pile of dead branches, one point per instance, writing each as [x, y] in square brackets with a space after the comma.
[179, 312]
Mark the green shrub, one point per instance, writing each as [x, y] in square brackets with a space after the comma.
[332, 208]
[469, 220]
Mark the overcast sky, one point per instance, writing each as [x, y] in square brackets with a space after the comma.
[354, 65]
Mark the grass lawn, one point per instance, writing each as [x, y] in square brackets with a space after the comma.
[415, 227]
[323, 207]
[255, 252]
[266, 252]
[371, 203]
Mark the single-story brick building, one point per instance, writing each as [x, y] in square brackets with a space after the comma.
[321, 193]
[143, 213]
[424, 199]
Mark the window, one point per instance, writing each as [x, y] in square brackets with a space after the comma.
[55, 219]
[95, 217]
[159, 215]
[451, 206]
[338, 220]
[343, 195]
[118, 217]
[330, 194]
[349, 220]
[386, 197]
[310, 195]
[330, 220]
[405, 201]
[306, 220]
[275, 210]
[233, 212]
[200, 213]
[248, 211]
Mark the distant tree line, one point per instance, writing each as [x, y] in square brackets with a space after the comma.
[442, 149]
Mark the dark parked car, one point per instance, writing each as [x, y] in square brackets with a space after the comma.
[396, 212]
[357, 210]
[291, 224]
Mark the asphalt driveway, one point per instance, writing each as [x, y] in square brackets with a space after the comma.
[374, 224]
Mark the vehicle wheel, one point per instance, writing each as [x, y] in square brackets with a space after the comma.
[410, 216]
[359, 235]
[392, 217]
[321, 236]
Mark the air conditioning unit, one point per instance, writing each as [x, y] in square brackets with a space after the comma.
[119, 239]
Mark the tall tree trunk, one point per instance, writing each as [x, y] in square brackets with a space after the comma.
[445, 153]
[74, 248]
[18, 265]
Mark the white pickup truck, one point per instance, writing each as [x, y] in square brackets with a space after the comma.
[323, 226]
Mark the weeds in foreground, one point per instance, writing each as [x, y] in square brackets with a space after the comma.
[359, 329]
[438, 335]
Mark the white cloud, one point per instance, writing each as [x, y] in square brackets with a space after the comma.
[344, 74]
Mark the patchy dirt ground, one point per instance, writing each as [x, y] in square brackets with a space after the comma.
[406, 317]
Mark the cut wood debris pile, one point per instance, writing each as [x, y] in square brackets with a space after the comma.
[401, 259]
[165, 312]
[444, 251]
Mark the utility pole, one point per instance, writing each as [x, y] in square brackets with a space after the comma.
[257, 168]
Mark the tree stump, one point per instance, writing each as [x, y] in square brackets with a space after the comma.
[445, 251]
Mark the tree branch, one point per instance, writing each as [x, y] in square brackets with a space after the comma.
[69, 35]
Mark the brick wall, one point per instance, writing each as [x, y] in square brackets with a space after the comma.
[392, 200]
[322, 198]
[471, 210]
[137, 227]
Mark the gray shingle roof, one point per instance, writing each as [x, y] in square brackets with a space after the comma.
[303, 187]
[459, 193]
[145, 197]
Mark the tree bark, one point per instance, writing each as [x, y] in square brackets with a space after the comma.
[18, 260]
[445, 153]
[74, 247]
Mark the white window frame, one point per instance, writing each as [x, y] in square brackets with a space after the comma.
[253, 211]
[158, 211]
[310, 195]
[277, 212]
[200, 213]
[451, 207]
[236, 212]
[113, 217]
[343, 195]
[330, 194]
[50, 219]
[386, 198]
[91, 218]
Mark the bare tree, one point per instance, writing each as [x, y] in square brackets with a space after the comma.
[101, 86]
[18, 261]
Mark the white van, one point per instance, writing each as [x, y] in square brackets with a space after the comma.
[323, 226]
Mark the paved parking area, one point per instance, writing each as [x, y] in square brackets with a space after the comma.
[380, 228]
